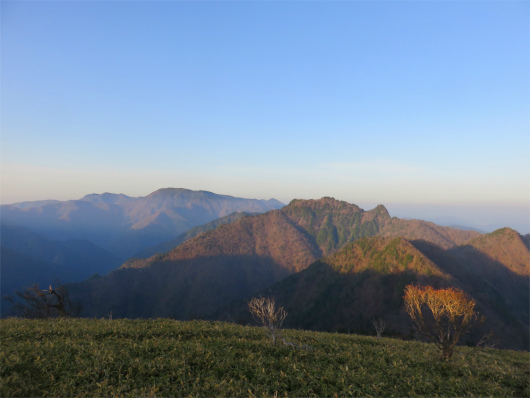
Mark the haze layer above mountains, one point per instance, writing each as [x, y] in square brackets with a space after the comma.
[333, 265]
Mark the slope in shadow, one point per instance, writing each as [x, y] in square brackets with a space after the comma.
[325, 299]
[181, 289]
[340, 294]
[501, 294]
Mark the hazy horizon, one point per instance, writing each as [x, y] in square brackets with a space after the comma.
[421, 106]
[485, 218]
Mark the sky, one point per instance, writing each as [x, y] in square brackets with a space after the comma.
[423, 106]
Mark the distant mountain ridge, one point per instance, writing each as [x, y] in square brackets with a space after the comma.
[28, 258]
[332, 264]
[293, 236]
[238, 259]
[445, 237]
[35, 203]
[125, 225]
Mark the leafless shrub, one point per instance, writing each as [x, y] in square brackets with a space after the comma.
[488, 340]
[264, 311]
[47, 303]
[379, 324]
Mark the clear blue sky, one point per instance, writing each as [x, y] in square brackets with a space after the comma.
[405, 103]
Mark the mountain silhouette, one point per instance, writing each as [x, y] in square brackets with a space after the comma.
[124, 225]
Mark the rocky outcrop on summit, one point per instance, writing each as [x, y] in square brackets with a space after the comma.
[333, 223]
[294, 236]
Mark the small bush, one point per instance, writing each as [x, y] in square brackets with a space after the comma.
[441, 315]
[264, 312]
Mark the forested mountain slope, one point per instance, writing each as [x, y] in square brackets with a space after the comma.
[230, 262]
[233, 261]
[192, 233]
[444, 237]
[366, 280]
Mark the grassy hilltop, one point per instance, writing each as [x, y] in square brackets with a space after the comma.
[88, 357]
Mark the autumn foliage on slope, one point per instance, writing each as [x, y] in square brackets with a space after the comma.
[441, 315]
[345, 291]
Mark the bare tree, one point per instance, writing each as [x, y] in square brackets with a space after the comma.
[379, 324]
[264, 312]
[488, 340]
[47, 303]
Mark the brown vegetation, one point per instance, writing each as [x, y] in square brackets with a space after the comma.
[364, 277]
[46, 303]
[441, 315]
[507, 247]
[235, 260]
[264, 311]
[444, 237]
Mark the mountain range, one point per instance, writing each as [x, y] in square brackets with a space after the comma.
[331, 264]
[365, 280]
[125, 225]
[230, 262]
[44, 242]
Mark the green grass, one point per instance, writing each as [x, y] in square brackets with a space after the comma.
[88, 357]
